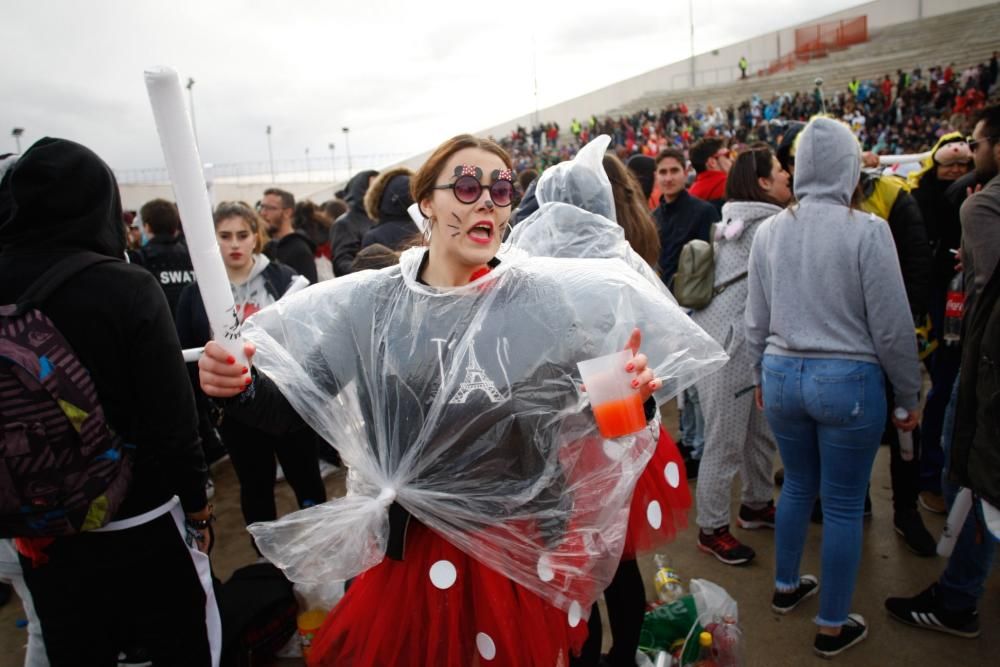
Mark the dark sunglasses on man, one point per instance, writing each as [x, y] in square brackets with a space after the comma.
[468, 189]
[974, 143]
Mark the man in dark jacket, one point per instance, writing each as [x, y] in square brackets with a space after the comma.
[138, 572]
[949, 605]
[386, 203]
[165, 255]
[886, 197]
[679, 217]
[348, 230]
[287, 245]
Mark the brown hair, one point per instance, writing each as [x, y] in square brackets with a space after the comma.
[673, 154]
[161, 216]
[422, 184]
[287, 198]
[631, 210]
[754, 163]
[238, 209]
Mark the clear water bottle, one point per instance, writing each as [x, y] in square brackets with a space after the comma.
[905, 437]
[954, 307]
[666, 582]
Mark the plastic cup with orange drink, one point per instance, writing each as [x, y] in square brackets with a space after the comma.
[617, 405]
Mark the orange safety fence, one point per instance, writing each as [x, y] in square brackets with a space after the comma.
[818, 40]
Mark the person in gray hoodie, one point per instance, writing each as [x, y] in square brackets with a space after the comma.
[827, 321]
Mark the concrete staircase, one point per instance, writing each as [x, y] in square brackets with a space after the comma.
[965, 38]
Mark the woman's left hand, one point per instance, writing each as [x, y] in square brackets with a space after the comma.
[643, 380]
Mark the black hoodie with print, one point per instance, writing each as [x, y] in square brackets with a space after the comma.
[60, 198]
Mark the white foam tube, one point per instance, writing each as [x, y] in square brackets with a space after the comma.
[888, 160]
[191, 192]
[956, 520]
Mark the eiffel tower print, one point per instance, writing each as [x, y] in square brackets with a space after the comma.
[475, 378]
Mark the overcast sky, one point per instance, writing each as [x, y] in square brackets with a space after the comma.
[403, 75]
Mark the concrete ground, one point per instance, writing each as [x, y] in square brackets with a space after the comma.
[887, 569]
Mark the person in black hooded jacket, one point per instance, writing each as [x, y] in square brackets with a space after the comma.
[138, 572]
[386, 203]
[348, 230]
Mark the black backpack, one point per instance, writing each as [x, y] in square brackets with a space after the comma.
[258, 612]
[63, 470]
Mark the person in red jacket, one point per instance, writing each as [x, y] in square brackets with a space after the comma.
[711, 160]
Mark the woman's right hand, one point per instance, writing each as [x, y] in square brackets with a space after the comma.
[219, 374]
[911, 422]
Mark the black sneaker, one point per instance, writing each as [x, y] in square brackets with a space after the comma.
[852, 632]
[721, 544]
[5, 593]
[782, 603]
[911, 527]
[751, 519]
[926, 611]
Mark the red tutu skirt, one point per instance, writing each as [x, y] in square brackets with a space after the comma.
[660, 502]
[442, 607]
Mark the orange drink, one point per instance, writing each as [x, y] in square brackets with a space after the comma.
[621, 417]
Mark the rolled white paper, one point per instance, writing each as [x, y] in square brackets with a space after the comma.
[192, 354]
[956, 520]
[887, 160]
[191, 192]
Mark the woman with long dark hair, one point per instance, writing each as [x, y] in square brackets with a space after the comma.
[737, 438]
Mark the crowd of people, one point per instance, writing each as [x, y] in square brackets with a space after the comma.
[445, 381]
[905, 112]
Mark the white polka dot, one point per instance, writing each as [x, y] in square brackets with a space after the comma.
[654, 515]
[673, 474]
[443, 574]
[486, 647]
[575, 614]
[545, 571]
[613, 450]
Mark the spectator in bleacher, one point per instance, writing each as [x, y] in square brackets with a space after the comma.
[348, 230]
[164, 254]
[386, 202]
[287, 245]
[711, 160]
[737, 438]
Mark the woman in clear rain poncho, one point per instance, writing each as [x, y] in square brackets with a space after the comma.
[592, 207]
[485, 513]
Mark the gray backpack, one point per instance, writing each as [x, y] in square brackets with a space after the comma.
[694, 282]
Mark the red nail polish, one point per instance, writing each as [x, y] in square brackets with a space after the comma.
[245, 369]
[630, 367]
[247, 380]
[635, 384]
[230, 360]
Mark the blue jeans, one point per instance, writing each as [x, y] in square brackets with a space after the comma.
[827, 416]
[963, 581]
[693, 423]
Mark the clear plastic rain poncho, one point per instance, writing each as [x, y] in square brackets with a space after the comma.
[463, 406]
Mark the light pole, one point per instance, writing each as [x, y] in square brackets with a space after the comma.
[308, 172]
[691, 20]
[194, 127]
[270, 153]
[347, 143]
[333, 165]
[16, 133]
